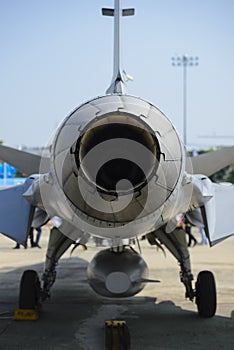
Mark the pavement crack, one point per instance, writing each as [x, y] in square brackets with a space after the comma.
[2, 331]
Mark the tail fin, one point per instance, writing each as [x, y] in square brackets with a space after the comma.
[117, 84]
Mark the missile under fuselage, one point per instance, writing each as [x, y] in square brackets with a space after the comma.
[124, 277]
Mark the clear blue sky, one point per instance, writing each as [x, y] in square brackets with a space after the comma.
[56, 54]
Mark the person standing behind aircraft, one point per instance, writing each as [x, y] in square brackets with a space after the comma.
[31, 238]
[183, 223]
[203, 236]
[38, 236]
[188, 227]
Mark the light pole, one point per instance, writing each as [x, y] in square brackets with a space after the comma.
[184, 61]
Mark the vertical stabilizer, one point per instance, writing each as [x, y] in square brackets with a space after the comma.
[117, 84]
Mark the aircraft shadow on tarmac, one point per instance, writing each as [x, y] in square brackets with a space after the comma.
[75, 317]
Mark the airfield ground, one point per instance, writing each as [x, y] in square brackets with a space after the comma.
[158, 318]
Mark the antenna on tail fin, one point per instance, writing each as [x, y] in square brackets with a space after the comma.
[117, 84]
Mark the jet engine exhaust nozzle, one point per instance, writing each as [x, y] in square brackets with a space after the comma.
[117, 153]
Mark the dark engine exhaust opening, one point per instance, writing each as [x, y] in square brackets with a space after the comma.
[129, 158]
[111, 173]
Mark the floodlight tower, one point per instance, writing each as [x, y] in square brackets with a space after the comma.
[185, 61]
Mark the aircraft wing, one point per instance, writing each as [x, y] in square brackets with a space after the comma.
[26, 162]
[210, 163]
[16, 213]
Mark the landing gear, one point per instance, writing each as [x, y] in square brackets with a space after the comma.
[31, 293]
[117, 336]
[30, 290]
[205, 290]
[58, 245]
[206, 294]
[187, 278]
[48, 278]
[176, 243]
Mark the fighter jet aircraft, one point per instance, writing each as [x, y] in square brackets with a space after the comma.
[118, 170]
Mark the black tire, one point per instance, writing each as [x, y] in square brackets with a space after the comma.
[206, 299]
[30, 289]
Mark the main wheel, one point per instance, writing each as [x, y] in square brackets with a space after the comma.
[206, 294]
[30, 289]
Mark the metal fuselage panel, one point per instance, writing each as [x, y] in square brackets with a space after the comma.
[116, 165]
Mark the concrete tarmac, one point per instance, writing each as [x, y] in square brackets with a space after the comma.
[158, 318]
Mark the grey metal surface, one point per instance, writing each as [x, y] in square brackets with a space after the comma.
[211, 162]
[26, 162]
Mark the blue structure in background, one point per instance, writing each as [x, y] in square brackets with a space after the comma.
[7, 169]
[7, 173]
